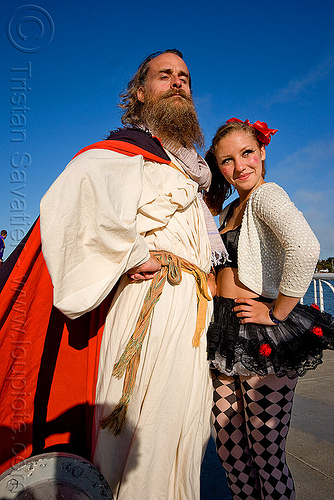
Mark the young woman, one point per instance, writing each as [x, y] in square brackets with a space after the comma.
[261, 338]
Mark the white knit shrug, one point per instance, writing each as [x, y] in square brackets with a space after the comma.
[277, 250]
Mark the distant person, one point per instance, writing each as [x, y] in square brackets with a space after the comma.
[3, 236]
[127, 209]
[261, 339]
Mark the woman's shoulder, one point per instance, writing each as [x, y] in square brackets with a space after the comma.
[269, 192]
[268, 188]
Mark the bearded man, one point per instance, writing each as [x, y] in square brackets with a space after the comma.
[123, 222]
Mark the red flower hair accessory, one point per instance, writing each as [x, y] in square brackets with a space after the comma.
[264, 133]
[317, 330]
[315, 306]
[265, 350]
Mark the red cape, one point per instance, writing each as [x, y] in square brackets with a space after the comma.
[49, 363]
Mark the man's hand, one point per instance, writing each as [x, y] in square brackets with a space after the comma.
[146, 271]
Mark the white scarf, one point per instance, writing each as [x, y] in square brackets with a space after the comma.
[198, 170]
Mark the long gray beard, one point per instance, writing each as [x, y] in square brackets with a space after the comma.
[175, 122]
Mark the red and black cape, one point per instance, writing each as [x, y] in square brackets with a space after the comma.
[49, 363]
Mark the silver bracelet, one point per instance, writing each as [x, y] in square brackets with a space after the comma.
[272, 316]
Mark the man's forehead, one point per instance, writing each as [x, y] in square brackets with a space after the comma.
[168, 61]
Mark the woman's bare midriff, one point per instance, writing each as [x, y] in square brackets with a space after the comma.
[229, 286]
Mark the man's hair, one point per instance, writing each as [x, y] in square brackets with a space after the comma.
[3, 232]
[129, 99]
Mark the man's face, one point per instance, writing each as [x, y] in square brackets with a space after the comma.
[166, 72]
[168, 109]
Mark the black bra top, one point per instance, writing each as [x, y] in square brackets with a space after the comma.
[230, 240]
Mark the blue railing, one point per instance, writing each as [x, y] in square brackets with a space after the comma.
[318, 280]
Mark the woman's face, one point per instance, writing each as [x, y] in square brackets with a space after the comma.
[239, 159]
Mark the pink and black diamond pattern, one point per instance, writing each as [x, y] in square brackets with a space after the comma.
[251, 419]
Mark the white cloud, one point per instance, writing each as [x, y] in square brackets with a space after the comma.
[313, 163]
[307, 176]
[317, 206]
[296, 86]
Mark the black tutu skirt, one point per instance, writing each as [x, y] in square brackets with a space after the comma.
[288, 349]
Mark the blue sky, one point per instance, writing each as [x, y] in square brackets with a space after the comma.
[269, 61]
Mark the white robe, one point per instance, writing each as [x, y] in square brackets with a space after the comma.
[101, 217]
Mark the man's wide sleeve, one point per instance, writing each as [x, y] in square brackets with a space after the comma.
[88, 228]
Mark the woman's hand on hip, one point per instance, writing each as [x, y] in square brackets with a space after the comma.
[253, 311]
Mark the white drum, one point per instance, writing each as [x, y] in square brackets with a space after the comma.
[54, 476]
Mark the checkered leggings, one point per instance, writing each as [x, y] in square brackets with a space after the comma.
[251, 418]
